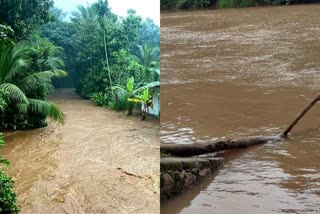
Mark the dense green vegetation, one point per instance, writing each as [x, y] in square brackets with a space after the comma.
[7, 196]
[102, 50]
[26, 77]
[135, 94]
[24, 16]
[99, 48]
[184, 4]
[28, 63]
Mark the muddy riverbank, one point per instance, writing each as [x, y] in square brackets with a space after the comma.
[100, 161]
[245, 72]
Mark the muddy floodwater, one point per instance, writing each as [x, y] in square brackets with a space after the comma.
[100, 161]
[237, 73]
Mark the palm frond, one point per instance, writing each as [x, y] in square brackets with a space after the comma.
[148, 85]
[15, 59]
[46, 108]
[54, 62]
[14, 68]
[32, 81]
[22, 108]
[59, 73]
[5, 51]
[14, 93]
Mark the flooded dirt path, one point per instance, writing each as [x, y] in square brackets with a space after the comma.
[237, 73]
[100, 161]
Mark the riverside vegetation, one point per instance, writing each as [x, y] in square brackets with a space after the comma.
[185, 4]
[111, 60]
[104, 51]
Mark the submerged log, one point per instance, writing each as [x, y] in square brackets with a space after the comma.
[300, 115]
[186, 150]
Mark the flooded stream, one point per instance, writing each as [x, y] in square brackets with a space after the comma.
[237, 73]
[100, 161]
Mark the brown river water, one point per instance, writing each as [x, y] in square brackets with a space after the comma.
[100, 161]
[245, 72]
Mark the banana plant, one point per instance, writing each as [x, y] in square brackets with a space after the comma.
[145, 99]
[133, 93]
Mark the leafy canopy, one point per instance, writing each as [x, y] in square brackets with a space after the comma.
[14, 60]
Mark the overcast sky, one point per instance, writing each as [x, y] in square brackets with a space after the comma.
[144, 8]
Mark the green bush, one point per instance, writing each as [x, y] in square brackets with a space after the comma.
[120, 103]
[250, 3]
[100, 99]
[167, 4]
[8, 199]
[95, 81]
[184, 4]
[236, 3]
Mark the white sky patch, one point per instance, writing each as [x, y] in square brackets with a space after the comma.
[144, 8]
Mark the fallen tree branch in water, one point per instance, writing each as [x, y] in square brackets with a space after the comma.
[186, 150]
[300, 115]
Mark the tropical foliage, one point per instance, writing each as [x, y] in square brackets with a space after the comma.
[25, 89]
[24, 16]
[145, 100]
[7, 196]
[103, 50]
[135, 94]
[100, 98]
[104, 55]
[184, 4]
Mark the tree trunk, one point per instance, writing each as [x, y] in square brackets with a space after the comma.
[130, 109]
[300, 115]
[108, 66]
[144, 112]
[186, 150]
[107, 58]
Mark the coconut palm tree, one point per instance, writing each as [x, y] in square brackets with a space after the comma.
[84, 13]
[97, 12]
[14, 60]
[149, 57]
[103, 10]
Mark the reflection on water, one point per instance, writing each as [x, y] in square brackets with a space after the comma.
[244, 72]
[100, 161]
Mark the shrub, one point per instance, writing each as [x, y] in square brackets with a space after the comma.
[8, 198]
[94, 82]
[121, 103]
[100, 99]
[249, 3]
[236, 3]
[184, 4]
